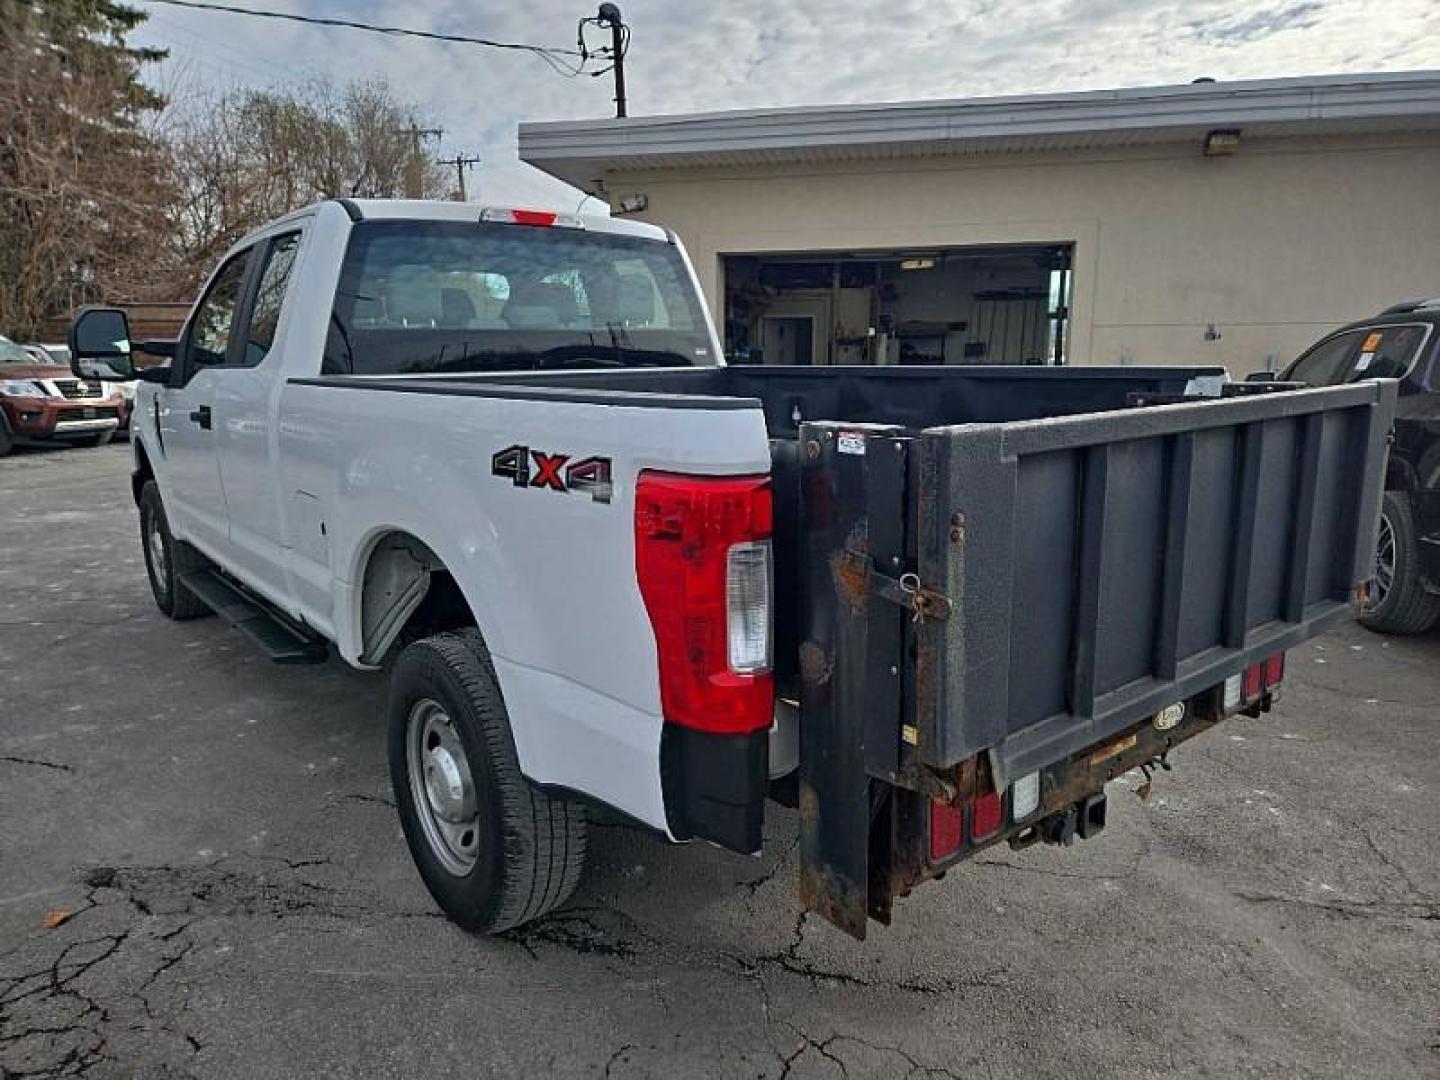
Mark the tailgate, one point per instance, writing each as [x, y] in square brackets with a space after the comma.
[1014, 593]
[1102, 567]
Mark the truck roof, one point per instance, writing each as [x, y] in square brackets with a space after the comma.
[435, 210]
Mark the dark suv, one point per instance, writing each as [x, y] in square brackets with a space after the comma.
[1402, 342]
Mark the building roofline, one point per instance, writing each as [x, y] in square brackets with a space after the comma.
[581, 149]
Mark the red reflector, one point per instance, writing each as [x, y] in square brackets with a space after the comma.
[946, 827]
[685, 527]
[542, 218]
[1252, 685]
[1274, 670]
[986, 816]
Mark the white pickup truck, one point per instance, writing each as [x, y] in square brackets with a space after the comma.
[498, 453]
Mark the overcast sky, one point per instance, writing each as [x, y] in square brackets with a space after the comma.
[693, 56]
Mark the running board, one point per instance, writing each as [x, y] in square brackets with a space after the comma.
[278, 637]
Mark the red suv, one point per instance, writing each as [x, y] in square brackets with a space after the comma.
[42, 403]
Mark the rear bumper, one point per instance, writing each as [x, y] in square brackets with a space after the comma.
[715, 785]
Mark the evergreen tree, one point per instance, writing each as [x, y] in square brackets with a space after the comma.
[84, 186]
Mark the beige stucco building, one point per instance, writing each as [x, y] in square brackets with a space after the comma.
[1227, 223]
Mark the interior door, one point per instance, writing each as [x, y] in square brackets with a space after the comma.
[787, 339]
[195, 498]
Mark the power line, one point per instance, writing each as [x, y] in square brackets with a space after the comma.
[552, 56]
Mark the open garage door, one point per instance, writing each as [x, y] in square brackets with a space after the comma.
[988, 305]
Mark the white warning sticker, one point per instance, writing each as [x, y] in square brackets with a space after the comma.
[852, 442]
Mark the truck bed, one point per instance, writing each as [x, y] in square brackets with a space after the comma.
[1012, 566]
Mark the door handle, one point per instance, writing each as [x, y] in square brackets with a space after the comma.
[201, 416]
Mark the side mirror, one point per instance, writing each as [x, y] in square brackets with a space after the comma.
[100, 345]
[1260, 376]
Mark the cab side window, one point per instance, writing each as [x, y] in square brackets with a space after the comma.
[208, 342]
[270, 297]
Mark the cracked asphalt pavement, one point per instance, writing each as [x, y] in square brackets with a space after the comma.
[202, 875]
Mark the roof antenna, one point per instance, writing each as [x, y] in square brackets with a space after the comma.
[587, 196]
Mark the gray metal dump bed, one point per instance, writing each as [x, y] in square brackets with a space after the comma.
[988, 600]
[1109, 565]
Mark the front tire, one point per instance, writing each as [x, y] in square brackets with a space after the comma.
[493, 850]
[1399, 601]
[166, 559]
[103, 439]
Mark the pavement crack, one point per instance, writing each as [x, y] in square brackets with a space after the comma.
[166, 963]
[1046, 872]
[360, 797]
[617, 1057]
[576, 930]
[755, 884]
[39, 763]
[807, 1044]
[1392, 863]
[1352, 909]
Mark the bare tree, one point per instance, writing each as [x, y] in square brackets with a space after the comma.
[245, 157]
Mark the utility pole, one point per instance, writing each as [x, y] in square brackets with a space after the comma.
[414, 168]
[461, 163]
[609, 15]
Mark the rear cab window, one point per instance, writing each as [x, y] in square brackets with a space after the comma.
[418, 297]
[1375, 352]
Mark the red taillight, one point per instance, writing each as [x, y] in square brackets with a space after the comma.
[702, 547]
[1253, 684]
[1260, 679]
[543, 218]
[947, 826]
[987, 815]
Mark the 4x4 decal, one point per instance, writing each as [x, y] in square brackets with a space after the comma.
[527, 468]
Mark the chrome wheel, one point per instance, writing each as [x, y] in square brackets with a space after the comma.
[1384, 562]
[442, 787]
[156, 543]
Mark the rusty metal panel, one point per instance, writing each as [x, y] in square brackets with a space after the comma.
[849, 656]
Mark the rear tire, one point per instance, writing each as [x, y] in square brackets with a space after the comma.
[7, 443]
[493, 850]
[1403, 606]
[166, 559]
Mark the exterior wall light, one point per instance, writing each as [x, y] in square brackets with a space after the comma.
[1222, 142]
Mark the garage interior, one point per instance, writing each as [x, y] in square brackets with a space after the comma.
[989, 305]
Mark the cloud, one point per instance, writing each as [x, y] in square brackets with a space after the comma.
[694, 56]
[1251, 27]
